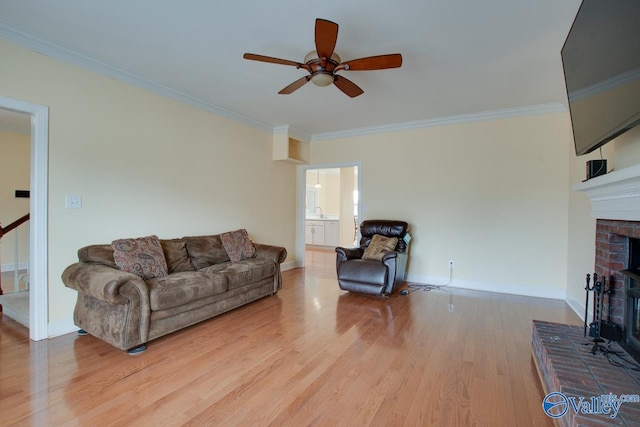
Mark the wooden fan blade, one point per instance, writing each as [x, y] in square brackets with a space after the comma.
[294, 86]
[347, 86]
[326, 37]
[379, 62]
[262, 58]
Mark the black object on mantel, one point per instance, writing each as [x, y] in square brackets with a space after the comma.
[596, 168]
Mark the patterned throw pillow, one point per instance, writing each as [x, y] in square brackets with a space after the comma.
[379, 246]
[142, 256]
[237, 245]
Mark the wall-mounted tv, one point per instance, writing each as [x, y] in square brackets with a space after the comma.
[601, 61]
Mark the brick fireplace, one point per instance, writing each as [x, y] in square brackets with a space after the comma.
[565, 358]
[612, 256]
[615, 203]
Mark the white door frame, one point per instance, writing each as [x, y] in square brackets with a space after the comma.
[300, 210]
[38, 202]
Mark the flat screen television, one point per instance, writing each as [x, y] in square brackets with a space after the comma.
[601, 62]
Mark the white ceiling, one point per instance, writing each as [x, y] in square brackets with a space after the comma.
[460, 58]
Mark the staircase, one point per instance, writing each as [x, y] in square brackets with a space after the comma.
[15, 304]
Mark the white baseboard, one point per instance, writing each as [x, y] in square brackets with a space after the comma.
[289, 265]
[61, 327]
[578, 308]
[528, 291]
[11, 267]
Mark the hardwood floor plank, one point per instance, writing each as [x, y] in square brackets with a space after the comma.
[311, 355]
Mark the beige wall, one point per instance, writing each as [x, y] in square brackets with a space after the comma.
[144, 164]
[14, 175]
[626, 150]
[492, 196]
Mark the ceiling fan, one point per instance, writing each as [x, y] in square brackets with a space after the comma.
[324, 63]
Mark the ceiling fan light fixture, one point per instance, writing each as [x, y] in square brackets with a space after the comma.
[313, 56]
[322, 79]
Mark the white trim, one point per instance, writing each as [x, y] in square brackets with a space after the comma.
[84, 60]
[578, 308]
[38, 202]
[62, 327]
[501, 288]
[615, 195]
[450, 120]
[292, 132]
[290, 265]
[11, 267]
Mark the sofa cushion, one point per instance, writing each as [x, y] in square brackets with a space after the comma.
[237, 245]
[142, 256]
[176, 255]
[379, 246]
[205, 251]
[181, 288]
[97, 254]
[244, 272]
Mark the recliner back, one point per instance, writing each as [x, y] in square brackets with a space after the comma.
[388, 228]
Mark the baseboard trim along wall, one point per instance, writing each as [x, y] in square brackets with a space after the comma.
[61, 327]
[527, 291]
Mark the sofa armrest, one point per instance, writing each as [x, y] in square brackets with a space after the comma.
[274, 253]
[103, 282]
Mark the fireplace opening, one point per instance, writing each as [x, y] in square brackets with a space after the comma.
[632, 296]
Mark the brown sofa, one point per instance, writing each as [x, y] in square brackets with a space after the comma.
[127, 312]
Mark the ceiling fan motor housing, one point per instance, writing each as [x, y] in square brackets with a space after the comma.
[322, 76]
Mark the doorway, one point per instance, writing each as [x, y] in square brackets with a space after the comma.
[328, 207]
[15, 129]
[38, 202]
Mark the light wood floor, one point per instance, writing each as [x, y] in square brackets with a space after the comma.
[311, 355]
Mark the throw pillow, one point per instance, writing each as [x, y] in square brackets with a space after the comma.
[142, 256]
[237, 245]
[379, 246]
[176, 255]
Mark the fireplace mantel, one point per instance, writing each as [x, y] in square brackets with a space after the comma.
[615, 195]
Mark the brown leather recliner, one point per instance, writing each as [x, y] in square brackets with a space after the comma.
[371, 276]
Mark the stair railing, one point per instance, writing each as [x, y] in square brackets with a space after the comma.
[5, 230]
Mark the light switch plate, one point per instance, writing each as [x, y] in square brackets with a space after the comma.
[73, 201]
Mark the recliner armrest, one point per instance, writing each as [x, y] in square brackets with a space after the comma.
[389, 255]
[348, 253]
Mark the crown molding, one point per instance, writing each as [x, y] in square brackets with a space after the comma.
[292, 132]
[442, 121]
[84, 60]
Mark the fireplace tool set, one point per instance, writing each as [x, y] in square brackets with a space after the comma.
[599, 328]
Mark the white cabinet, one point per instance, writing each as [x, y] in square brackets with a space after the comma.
[314, 233]
[322, 232]
[331, 233]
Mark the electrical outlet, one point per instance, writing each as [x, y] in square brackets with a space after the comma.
[451, 308]
[73, 201]
[451, 263]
